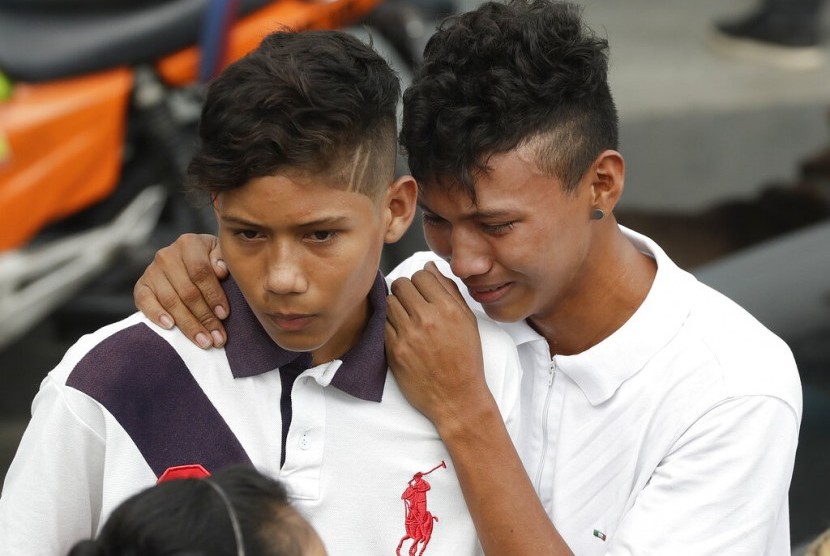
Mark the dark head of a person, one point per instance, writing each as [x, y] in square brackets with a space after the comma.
[235, 511]
[320, 103]
[504, 76]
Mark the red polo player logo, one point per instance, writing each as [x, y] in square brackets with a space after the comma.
[418, 520]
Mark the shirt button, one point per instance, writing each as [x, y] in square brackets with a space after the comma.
[304, 442]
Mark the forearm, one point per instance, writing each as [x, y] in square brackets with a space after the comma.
[506, 511]
[435, 351]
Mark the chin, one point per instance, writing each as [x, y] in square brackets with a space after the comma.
[505, 314]
[298, 348]
[299, 345]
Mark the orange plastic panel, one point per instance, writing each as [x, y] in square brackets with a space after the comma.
[64, 145]
[181, 68]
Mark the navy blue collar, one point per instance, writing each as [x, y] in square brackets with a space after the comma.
[251, 351]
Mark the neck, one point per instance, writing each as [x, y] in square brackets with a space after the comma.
[609, 290]
[346, 338]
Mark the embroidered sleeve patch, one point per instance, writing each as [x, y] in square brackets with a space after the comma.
[599, 534]
[191, 471]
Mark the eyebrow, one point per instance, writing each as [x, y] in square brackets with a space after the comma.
[478, 214]
[325, 221]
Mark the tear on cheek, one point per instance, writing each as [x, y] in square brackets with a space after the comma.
[438, 246]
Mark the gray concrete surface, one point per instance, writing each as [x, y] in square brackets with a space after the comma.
[696, 126]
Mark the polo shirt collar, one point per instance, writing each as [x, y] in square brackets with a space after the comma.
[600, 370]
[251, 351]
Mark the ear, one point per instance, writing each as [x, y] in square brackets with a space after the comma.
[399, 204]
[607, 180]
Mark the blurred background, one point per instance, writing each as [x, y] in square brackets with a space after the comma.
[728, 167]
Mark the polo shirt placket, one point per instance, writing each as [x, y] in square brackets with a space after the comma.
[360, 373]
[305, 443]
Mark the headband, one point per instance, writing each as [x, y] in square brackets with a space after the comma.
[237, 530]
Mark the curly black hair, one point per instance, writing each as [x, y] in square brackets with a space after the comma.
[311, 101]
[528, 72]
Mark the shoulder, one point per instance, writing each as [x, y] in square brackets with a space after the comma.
[105, 343]
[746, 356]
[416, 262]
[502, 368]
[718, 351]
[493, 337]
[121, 359]
[102, 372]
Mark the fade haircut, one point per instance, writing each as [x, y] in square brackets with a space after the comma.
[319, 102]
[527, 74]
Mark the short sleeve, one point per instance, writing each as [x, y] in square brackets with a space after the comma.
[723, 487]
[51, 496]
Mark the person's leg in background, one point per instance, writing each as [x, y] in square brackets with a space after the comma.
[785, 33]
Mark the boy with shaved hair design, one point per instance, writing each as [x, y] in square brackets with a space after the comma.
[297, 154]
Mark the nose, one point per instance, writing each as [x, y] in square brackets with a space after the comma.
[469, 253]
[284, 273]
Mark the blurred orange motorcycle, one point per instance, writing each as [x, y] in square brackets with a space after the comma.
[99, 101]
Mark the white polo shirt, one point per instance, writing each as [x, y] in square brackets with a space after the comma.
[131, 400]
[675, 435]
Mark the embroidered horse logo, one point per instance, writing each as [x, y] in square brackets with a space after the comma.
[418, 520]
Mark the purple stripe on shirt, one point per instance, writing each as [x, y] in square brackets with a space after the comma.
[143, 382]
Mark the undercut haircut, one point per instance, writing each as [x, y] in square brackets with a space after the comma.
[528, 73]
[317, 102]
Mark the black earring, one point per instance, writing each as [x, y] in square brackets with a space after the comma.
[597, 214]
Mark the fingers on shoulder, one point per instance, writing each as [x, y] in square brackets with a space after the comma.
[147, 302]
